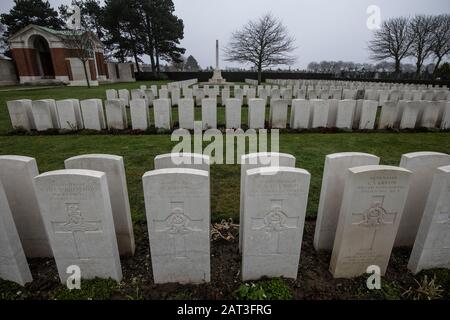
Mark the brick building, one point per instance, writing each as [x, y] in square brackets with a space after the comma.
[41, 56]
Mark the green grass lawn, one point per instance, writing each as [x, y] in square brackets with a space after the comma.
[139, 151]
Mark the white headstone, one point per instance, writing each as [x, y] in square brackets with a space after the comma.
[18, 113]
[388, 114]
[111, 94]
[320, 113]
[154, 88]
[274, 213]
[368, 115]
[199, 94]
[256, 113]
[233, 113]
[209, 113]
[445, 122]
[175, 94]
[422, 165]
[346, 110]
[182, 160]
[278, 113]
[430, 114]
[101, 113]
[149, 96]
[78, 113]
[163, 93]
[42, 115]
[186, 113]
[162, 114]
[300, 114]
[13, 264]
[410, 115]
[77, 214]
[225, 96]
[333, 181]
[333, 105]
[188, 93]
[372, 205]
[91, 116]
[124, 94]
[349, 94]
[259, 160]
[115, 114]
[114, 168]
[263, 94]
[16, 175]
[66, 114]
[239, 94]
[54, 112]
[139, 114]
[432, 245]
[137, 94]
[177, 203]
[357, 113]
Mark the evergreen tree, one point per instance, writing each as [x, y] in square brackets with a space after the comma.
[25, 12]
[191, 64]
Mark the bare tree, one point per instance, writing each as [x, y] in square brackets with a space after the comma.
[391, 41]
[81, 44]
[440, 38]
[421, 30]
[263, 43]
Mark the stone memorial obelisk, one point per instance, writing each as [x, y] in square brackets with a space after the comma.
[217, 76]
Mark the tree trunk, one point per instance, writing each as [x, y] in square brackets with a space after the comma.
[418, 69]
[397, 68]
[436, 67]
[150, 47]
[259, 75]
[136, 60]
[86, 73]
[158, 70]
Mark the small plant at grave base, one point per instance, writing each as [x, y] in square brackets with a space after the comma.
[390, 290]
[426, 290]
[223, 230]
[275, 289]
[96, 289]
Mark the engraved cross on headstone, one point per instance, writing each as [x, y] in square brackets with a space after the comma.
[373, 219]
[274, 223]
[78, 227]
[178, 226]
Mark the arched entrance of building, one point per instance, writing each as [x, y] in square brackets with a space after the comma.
[43, 57]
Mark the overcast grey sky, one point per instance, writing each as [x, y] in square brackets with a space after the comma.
[323, 29]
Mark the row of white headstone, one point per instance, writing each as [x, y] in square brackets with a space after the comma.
[351, 84]
[268, 92]
[305, 114]
[80, 215]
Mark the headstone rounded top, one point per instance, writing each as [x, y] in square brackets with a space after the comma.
[186, 155]
[363, 169]
[17, 158]
[265, 154]
[72, 172]
[424, 154]
[177, 171]
[96, 156]
[350, 154]
[275, 170]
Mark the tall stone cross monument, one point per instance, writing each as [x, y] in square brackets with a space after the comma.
[217, 76]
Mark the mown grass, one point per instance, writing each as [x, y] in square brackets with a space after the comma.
[139, 151]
